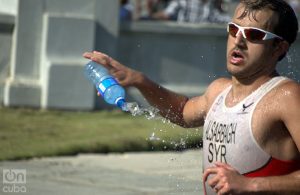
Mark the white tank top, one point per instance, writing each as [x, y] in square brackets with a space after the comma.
[227, 133]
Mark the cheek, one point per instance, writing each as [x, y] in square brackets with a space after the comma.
[260, 52]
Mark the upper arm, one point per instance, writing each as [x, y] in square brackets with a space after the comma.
[196, 108]
[194, 111]
[291, 111]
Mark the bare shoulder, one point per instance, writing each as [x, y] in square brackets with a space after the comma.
[197, 107]
[289, 92]
[216, 87]
[287, 97]
[289, 108]
[292, 86]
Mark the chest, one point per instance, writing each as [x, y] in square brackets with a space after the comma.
[256, 123]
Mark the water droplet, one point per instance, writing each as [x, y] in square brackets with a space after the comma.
[153, 138]
[136, 110]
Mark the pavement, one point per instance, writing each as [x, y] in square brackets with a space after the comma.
[108, 174]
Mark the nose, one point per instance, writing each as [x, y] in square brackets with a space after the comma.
[239, 38]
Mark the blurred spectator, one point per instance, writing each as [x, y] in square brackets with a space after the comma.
[126, 10]
[145, 8]
[194, 11]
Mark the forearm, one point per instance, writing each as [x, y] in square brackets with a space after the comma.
[281, 185]
[170, 104]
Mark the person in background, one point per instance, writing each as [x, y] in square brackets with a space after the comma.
[193, 11]
[251, 121]
[126, 10]
[144, 9]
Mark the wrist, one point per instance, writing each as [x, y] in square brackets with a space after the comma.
[252, 185]
[140, 81]
[255, 185]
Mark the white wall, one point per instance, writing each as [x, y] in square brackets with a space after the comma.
[9, 7]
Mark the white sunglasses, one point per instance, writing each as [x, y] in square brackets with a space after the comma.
[250, 33]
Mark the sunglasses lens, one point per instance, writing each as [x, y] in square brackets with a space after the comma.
[254, 34]
[232, 29]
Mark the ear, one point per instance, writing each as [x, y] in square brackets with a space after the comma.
[281, 48]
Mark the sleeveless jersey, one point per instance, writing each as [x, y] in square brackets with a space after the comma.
[228, 138]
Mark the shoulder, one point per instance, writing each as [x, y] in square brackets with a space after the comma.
[212, 91]
[216, 87]
[197, 107]
[289, 92]
[288, 107]
[291, 86]
[286, 97]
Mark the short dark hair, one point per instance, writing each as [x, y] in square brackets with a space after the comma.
[287, 26]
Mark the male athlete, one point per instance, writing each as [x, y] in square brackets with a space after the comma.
[251, 134]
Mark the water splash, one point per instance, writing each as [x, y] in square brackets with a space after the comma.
[153, 137]
[136, 110]
[153, 113]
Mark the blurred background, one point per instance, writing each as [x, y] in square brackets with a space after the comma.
[180, 44]
[48, 107]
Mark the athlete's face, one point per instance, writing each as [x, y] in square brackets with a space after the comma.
[250, 59]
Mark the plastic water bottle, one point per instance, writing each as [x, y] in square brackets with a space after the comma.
[108, 87]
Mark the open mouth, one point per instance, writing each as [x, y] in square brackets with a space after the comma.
[236, 57]
[237, 54]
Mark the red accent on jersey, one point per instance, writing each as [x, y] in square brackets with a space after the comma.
[275, 167]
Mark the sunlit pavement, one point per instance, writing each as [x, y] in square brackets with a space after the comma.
[129, 173]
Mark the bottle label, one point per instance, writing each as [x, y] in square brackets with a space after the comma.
[105, 84]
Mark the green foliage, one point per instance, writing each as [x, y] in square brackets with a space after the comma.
[26, 133]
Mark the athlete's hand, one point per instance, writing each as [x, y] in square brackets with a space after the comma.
[124, 75]
[226, 180]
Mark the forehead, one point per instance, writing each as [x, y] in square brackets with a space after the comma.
[264, 18]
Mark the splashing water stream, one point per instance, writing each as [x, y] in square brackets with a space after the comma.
[136, 110]
[152, 113]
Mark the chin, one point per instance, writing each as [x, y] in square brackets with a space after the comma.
[235, 71]
[232, 69]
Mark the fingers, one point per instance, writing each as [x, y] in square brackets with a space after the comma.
[224, 190]
[99, 57]
[219, 187]
[224, 165]
[208, 171]
[105, 60]
[124, 75]
[97, 52]
[214, 183]
[220, 164]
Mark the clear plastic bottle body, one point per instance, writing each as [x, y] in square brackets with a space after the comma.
[107, 86]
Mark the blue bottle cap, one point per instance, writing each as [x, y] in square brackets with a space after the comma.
[120, 102]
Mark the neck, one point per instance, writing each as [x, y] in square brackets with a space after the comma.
[241, 88]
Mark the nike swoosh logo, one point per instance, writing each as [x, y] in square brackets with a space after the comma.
[247, 106]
